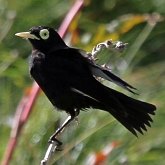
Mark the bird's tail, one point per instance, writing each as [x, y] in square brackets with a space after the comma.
[132, 113]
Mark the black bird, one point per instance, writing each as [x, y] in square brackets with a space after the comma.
[69, 79]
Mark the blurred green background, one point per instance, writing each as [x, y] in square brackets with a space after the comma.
[139, 23]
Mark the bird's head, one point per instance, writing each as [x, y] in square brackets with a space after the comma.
[43, 38]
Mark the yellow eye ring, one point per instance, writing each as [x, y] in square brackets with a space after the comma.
[44, 34]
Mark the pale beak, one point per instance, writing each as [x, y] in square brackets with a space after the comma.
[27, 35]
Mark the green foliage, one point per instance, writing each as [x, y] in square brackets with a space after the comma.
[142, 65]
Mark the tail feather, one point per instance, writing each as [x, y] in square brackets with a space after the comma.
[134, 114]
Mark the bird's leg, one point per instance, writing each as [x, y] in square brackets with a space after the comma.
[60, 129]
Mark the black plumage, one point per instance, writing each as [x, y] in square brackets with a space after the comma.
[68, 78]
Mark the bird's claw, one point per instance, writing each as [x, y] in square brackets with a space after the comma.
[58, 144]
[53, 139]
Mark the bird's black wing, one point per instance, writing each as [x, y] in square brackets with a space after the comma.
[106, 74]
[102, 72]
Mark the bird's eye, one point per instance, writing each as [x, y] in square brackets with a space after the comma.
[44, 34]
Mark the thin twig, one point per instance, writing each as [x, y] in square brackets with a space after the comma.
[114, 46]
[53, 146]
[70, 16]
[22, 113]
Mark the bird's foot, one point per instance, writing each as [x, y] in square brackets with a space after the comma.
[58, 143]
